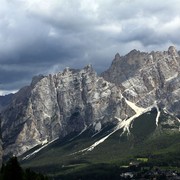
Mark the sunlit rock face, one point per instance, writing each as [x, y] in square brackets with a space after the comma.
[56, 105]
[148, 77]
[60, 104]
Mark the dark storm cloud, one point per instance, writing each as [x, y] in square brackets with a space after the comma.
[42, 36]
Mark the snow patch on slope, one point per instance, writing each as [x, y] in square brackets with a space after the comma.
[125, 124]
[36, 151]
[138, 110]
[90, 148]
[158, 114]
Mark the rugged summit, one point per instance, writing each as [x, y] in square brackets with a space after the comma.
[71, 101]
[148, 77]
[55, 106]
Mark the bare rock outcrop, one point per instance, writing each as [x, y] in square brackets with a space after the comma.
[148, 78]
[57, 105]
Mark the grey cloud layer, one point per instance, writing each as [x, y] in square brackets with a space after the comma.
[42, 36]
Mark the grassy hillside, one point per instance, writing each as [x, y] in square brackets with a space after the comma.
[160, 145]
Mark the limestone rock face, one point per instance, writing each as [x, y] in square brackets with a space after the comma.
[56, 105]
[148, 78]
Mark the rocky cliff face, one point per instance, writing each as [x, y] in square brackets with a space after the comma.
[148, 78]
[57, 105]
[5, 100]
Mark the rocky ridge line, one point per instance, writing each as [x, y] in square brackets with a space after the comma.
[54, 106]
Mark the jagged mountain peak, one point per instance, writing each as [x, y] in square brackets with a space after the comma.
[146, 77]
[71, 101]
[133, 52]
[88, 67]
[36, 79]
[172, 51]
[57, 105]
[71, 71]
[68, 70]
[138, 57]
[117, 56]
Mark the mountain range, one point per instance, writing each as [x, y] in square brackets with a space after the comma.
[80, 115]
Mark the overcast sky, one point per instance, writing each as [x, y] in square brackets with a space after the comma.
[45, 36]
